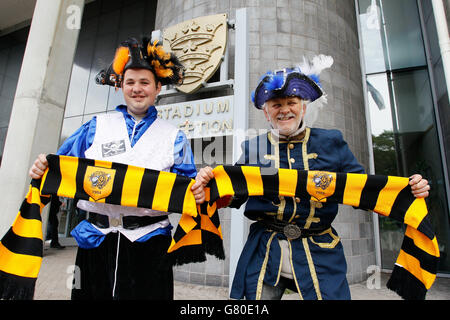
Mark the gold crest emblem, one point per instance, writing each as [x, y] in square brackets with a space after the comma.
[321, 184]
[322, 181]
[98, 182]
[200, 45]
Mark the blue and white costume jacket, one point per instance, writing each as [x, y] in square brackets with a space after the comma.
[151, 143]
[317, 262]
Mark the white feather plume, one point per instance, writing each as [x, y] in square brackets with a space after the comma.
[313, 110]
[318, 63]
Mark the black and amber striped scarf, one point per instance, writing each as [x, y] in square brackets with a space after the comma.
[198, 231]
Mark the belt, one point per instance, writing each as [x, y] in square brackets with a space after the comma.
[290, 230]
[128, 222]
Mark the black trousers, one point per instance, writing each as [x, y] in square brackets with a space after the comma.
[141, 272]
[52, 229]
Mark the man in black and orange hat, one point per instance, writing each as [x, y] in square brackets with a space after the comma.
[121, 249]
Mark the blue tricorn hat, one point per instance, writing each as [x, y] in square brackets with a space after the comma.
[302, 82]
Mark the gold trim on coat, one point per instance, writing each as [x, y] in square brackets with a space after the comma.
[281, 263]
[294, 211]
[306, 157]
[312, 269]
[312, 212]
[275, 157]
[262, 273]
[329, 245]
[293, 270]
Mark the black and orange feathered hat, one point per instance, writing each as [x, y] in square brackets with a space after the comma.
[146, 55]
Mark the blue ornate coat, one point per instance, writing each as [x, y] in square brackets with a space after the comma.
[318, 262]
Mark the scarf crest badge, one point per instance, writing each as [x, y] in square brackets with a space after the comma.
[321, 184]
[98, 182]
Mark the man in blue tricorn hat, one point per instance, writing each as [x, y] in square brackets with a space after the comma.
[292, 243]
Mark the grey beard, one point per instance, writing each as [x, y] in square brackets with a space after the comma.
[276, 133]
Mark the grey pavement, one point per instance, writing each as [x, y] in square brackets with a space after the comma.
[55, 277]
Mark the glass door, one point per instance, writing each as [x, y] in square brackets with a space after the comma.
[404, 135]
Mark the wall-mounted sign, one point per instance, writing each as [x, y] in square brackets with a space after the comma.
[201, 118]
[200, 46]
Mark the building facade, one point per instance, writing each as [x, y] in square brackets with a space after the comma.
[386, 93]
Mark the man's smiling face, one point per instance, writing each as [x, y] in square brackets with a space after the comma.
[139, 90]
[285, 114]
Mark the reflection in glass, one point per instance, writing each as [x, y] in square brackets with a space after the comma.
[385, 159]
[97, 95]
[419, 150]
[70, 125]
[405, 142]
[391, 35]
[115, 98]
[12, 48]
[403, 34]
[379, 103]
[76, 96]
[371, 27]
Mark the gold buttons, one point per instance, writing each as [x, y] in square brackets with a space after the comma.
[291, 146]
[292, 160]
[297, 199]
[317, 204]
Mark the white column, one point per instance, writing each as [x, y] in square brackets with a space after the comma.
[240, 125]
[39, 103]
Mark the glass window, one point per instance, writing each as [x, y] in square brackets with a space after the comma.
[371, 27]
[413, 101]
[379, 103]
[15, 58]
[2, 141]
[391, 35]
[76, 97]
[404, 135]
[70, 125]
[115, 98]
[405, 142]
[3, 60]
[403, 43]
[12, 48]
[385, 159]
[97, 95]
[418, 148]
[5, 110]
